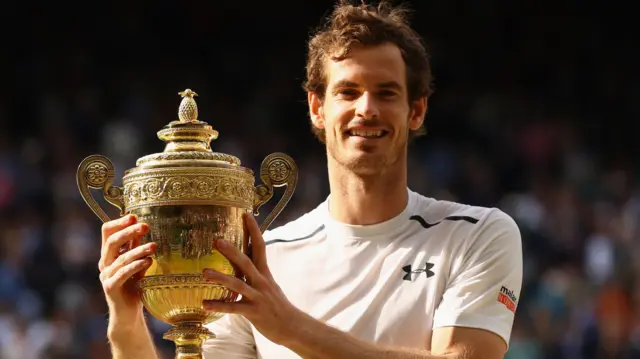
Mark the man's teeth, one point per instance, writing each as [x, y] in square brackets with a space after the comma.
[365, 133]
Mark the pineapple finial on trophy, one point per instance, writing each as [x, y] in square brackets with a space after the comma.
[188, 111]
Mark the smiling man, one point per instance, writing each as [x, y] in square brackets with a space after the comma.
[375, 271]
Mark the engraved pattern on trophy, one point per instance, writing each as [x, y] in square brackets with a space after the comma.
[191, 197]
[207, 186]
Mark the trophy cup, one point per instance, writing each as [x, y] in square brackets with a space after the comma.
[190, 197]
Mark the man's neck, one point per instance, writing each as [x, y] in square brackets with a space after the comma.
[364, 200]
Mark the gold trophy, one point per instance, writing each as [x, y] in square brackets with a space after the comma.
[190, 197]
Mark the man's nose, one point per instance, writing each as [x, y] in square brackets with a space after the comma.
[366, 106]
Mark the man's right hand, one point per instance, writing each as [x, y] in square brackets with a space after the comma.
[118, 271]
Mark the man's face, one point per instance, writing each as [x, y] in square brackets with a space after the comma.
[366, 115]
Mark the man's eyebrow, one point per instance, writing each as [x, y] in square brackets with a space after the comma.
[345, 83]
[390, 85]
[385, 85]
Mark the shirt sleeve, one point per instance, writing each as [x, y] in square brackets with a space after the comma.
[234, 339]
[483, 290]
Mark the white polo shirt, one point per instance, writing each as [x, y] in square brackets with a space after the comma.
[436, 264]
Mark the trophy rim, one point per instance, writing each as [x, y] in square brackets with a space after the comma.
[184, 164]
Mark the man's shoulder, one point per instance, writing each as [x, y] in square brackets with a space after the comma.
[305, 226]
[435, 209]
[483, 221]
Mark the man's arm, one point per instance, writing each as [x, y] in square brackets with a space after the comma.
[134, 343]
[316, 340]
[127, 331]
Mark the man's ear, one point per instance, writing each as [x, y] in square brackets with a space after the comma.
[418, 113]
[315, 110]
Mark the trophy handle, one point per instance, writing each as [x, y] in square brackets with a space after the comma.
[97, 172]
[277, 170]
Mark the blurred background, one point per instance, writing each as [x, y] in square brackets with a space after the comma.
[534, 114]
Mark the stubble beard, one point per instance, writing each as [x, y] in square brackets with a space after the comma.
[366, 165]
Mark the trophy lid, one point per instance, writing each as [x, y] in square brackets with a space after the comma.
[188, 141]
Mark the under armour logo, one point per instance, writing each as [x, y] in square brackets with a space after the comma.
[427, 270]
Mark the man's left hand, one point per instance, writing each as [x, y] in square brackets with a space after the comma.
[263, 303]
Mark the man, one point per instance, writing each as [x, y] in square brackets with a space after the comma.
[377, 270]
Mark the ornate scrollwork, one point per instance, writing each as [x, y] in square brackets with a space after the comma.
[176, 186]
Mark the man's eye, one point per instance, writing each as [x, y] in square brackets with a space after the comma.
[387, 94]
[348, 93]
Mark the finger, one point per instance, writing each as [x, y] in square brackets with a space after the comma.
[108, 229]
[232, 283]
[133, 255]
[216, 306]
[258, 246]
[124, 273]
[121, 250]
[240, 260]
[246, 245]
[111, 227]
[115, 241]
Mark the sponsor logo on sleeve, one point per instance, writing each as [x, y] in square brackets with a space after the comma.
[507, 298]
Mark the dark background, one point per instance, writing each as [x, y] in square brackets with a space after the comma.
[534, 112]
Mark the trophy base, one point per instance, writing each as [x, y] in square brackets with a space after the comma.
[189, 338]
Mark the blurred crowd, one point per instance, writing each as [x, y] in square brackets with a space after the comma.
[532, 115]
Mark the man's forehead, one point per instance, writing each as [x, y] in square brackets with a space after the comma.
[347, 83]
[381, 64]
[355, 76]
